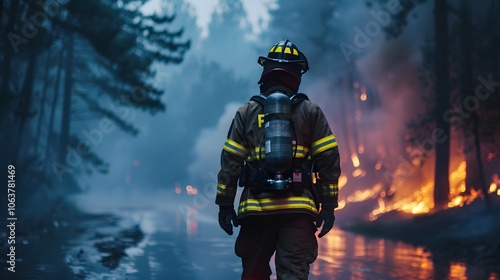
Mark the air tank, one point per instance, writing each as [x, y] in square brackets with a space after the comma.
[278, 133]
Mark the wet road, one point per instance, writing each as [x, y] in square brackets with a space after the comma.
[183, 242]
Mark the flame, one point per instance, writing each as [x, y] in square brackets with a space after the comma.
[493, 188]
[496, 181]
[342, 204]
[457, 180]
[342, 181]
[358, 173]
[419, 202]
[364, 195]
[458, 197]
[355, 160]
[363, 96]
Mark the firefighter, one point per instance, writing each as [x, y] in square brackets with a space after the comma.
[280, 208]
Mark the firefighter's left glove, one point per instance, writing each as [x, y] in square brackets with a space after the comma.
[226, 216]
[326, 217]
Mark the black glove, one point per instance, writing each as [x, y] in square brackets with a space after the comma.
[326, 215]
[226, 215]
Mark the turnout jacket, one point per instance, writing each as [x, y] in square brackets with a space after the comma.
[314, 142]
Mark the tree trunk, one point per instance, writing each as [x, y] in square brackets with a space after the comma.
[54, 105]
[477, 147]
[5, 95]
[475, 169]
[42, 101]
[472, 171]
[1, 13]
[472, 177]
[66, 106]
[441, 176]
[25, 104]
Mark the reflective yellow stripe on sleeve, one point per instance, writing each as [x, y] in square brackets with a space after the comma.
[221, 189]
[279, 203]
[300, 151]
[235, 148]
[257, 154]
[330, 190]
[323, 144]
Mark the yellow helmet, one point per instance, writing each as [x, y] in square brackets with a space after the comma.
[287, 53]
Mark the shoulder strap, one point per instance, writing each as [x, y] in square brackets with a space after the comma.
[259, 98]
[298, 97]
[295, 99]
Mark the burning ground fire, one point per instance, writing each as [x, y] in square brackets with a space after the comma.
[391, 175]
[418, 202]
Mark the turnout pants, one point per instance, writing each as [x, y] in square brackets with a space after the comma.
[291, 236]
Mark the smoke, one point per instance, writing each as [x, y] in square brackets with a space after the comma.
[177, 146]
[208, 146]
[220, 73]
[392, 70]
[369, 91]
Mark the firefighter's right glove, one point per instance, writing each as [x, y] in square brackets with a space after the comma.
[226, 215]
[325, 217]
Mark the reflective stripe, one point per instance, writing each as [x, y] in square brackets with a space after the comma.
[280, 203]
[235, 148]
[330, 190]
[301, 151]
[221, 189]
[324, 144]
[259, 152]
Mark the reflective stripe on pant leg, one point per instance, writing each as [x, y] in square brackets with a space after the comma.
[255, 245]
[296, 247]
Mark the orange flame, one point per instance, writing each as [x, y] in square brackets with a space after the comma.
[493, 188]
[420, 201]
[355, 160]
[342, 181]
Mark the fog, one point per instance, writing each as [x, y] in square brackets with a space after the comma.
[183, 145]
[120, 109]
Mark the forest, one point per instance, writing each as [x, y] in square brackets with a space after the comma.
[108, 106]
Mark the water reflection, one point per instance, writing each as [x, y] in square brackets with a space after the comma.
[186, 243]
[186, 220]
[343, 255]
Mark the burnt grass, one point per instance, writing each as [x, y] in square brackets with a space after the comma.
[469, 234]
